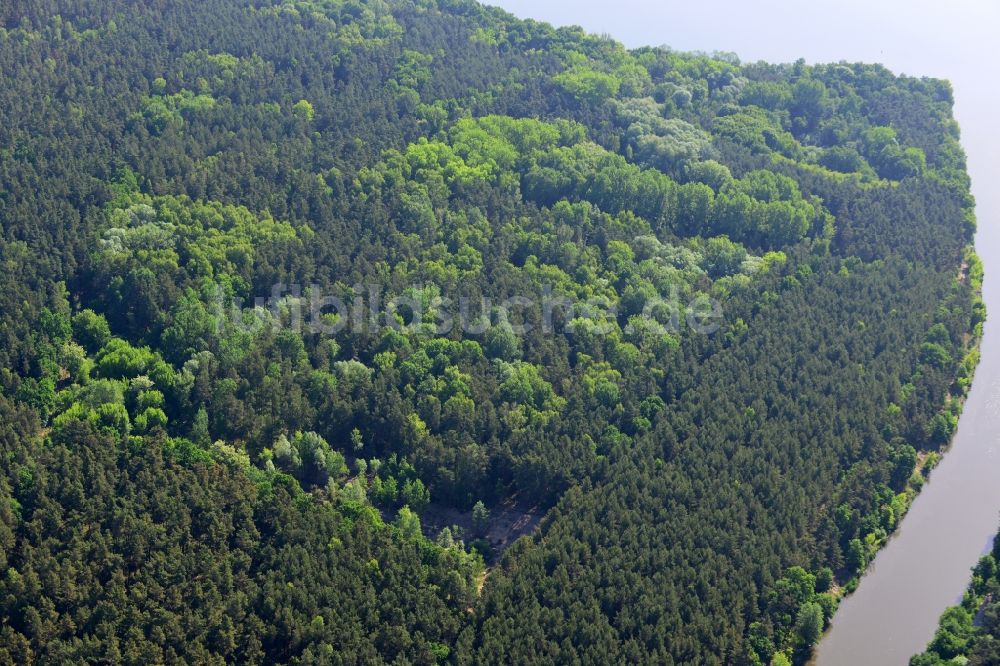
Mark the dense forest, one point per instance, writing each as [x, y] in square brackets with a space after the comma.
[969, 633]
[300, 298]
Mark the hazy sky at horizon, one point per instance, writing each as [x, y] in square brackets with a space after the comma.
[916, 37]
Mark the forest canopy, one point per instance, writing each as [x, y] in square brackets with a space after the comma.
[764, 312]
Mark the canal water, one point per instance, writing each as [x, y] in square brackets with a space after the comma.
[926, 566]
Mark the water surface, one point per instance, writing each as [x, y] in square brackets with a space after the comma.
[925, 568]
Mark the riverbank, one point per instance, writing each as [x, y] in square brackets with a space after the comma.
[891, 611]
[971, 272]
